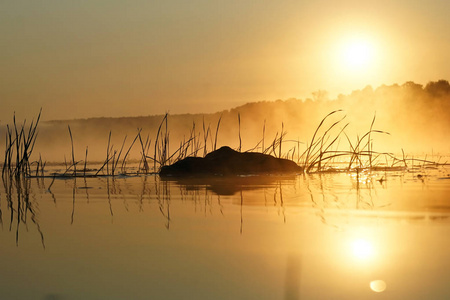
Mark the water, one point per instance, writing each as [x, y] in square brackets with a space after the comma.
[328, 236]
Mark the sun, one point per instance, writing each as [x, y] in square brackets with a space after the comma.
[357, 54]
[355, 60]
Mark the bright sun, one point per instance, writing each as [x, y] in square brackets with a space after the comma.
[356, 56]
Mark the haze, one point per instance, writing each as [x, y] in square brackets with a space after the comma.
[135, 58]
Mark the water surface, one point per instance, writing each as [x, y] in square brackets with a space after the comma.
[322, 236]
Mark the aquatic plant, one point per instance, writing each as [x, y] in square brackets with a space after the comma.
[19, 144]
[324, 149]
[328, 144]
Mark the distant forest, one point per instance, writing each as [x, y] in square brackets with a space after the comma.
[416, 116]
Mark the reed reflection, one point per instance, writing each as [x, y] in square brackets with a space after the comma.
[21, 204]
[334, 193]
[162, 192]
[334, 197]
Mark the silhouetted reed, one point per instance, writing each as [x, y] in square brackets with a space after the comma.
[124, 161]
[74, 164]
[323, 149]
[145, 147]
[113, 157]
[240, 140]
[217, 133]
[85, 162]
[40, 166]
[161, 144]
[319, 155]
[19, 144]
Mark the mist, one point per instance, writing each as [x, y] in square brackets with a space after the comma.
[416, 117]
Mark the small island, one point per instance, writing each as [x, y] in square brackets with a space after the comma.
[226, 161]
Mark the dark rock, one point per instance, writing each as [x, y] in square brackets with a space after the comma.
[226, 161]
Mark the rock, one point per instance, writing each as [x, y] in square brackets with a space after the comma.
[226, 161]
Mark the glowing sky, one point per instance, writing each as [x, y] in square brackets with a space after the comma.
[129, 58]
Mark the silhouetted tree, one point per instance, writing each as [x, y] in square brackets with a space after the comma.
[438, 88]
[411, 86]
[320, 95]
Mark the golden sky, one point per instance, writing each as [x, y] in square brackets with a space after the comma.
[79, 59]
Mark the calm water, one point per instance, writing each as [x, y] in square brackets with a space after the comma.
[329, 236]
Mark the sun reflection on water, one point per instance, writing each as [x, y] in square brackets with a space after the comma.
[362, 249]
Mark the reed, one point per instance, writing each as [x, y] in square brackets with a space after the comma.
[73, 153]
[276, 143]
[116, 160]
[161, 144]
[19, 144]
[162, 155]
[85, 162]
[108, 149]
[105, 163]
[281, 140]
[314, 143]
[124, 161]
[263, 135]
[217, 133]
[113, 157]
[240, 139]
[8, 152]
[194, 141]
[205, 137]
[40, 166]
[323, 149]
[144, 154]
[181, 152]
[319, 153]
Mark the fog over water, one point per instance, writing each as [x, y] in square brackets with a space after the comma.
[416, 117]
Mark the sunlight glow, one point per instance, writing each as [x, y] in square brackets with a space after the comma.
[356, 58]
[357, 54]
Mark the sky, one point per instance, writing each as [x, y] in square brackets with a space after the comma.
[82, 59]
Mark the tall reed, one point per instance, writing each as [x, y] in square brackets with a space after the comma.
[19, 144]
[319, 153]
[73, 153]
[322, 150]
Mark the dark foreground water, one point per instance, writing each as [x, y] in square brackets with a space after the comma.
[330, 236]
